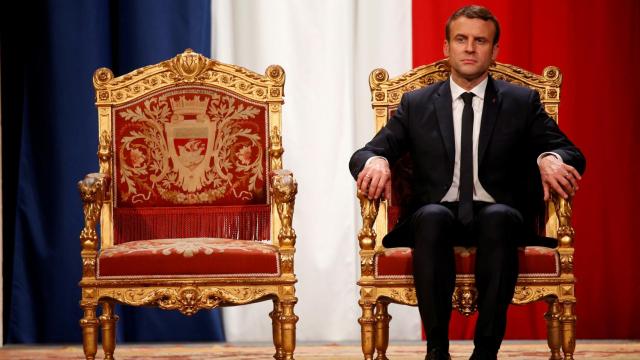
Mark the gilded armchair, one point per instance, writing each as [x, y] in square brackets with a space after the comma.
[546, 273]
[193, 207]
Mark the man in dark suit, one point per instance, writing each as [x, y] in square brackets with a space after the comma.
[473, 141]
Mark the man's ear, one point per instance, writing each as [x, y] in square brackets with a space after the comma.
[496, 50]
[445, 48]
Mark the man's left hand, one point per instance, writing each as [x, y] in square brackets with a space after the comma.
[559, 177]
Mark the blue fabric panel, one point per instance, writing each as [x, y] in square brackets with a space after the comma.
[50, 141]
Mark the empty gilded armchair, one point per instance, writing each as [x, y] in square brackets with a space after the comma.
[194, 209]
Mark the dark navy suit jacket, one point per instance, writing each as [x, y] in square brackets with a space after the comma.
[514, 131]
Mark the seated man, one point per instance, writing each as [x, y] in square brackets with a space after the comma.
[472, 140]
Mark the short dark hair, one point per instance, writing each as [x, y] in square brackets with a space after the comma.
[474, 12]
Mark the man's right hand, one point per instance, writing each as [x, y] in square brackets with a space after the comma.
[375, 178]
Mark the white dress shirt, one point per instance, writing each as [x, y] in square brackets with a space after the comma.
[479, 193]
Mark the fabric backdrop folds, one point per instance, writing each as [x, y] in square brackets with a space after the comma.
[50, 49]
[50, 141]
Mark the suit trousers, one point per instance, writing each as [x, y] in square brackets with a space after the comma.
[494, 231]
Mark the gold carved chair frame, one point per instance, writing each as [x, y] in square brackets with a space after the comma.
[376, 293]
[187, 295]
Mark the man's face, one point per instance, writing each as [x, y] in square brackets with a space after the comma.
[470, 49]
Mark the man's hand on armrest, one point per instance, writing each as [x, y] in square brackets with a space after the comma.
[558, 176]
[375, 178]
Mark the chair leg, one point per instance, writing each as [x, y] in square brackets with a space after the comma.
[108, 323]
[367, 328]
[277, 329]
[89, 325]
[554, 335]
[288, 320]
[382, 329]
[568, 321]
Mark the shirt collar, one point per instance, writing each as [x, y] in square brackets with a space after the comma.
[478, 90]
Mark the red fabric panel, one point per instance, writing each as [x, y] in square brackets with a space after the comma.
[190, 145]
[534, 261]
[594, 43]
[231, 222]
[185, 257]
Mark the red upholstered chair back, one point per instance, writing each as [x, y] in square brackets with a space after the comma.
[190, 161]
[189, 149]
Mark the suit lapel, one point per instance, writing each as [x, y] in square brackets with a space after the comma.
[445, 118]
[489, 116]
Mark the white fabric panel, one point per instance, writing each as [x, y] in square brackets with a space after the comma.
[327, 49]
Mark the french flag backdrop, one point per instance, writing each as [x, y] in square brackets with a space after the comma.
[327, 49]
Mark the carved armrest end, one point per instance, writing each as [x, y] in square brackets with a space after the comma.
[94, 190]
[369, 211]
[565, 228]
[283, 190]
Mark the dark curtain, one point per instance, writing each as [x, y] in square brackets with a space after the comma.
[595, 45]
[49, 51]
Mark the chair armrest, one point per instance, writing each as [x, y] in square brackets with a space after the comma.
[565, 232]
[369, 211]
[94, 190]
[284, 189]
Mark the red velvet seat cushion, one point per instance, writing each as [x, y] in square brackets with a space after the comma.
[535, 261]
[192, 257]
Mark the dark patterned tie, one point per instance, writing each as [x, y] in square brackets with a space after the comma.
[465, 209]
